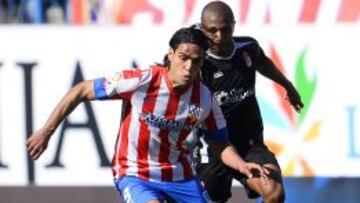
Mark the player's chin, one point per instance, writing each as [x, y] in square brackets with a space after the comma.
[215, 49]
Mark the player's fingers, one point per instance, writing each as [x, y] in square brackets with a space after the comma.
[259, 168]
[29, 146]
[33, 148]
[36, 153]
[297, 108]
[248, 173]
[33, 152]
[32, 142]
[301, 104]
[29, 142]
[264, 179]
[266, 170]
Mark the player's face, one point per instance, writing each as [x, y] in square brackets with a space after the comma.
[220, 30]
[186, 62]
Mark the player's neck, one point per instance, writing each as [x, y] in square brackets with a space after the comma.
[176, 87]
[223, 52]
[181, 89]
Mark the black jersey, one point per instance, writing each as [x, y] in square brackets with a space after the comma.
[232, 81]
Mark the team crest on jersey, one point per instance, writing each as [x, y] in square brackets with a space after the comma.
[247, 59]
[194, 114]
[218, 74]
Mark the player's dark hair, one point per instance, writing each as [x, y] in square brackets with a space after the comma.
[187, 35]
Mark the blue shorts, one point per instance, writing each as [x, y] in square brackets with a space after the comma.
[133, 189]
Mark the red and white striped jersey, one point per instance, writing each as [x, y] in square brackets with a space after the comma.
[157, 121]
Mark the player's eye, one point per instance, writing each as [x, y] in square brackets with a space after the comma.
[212, 30]
[183, 58]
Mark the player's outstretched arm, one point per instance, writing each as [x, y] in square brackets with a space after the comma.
[38, 141]
[231, 158]
[294, 98]
[268, 69]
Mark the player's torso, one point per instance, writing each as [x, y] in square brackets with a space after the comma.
[159, 122]
[170, 114]
[232, 82]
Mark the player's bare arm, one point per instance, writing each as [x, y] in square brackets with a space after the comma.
[268, 69]
[231, 158]
[38, 141]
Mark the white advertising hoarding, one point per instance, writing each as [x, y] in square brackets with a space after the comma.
[39, 64]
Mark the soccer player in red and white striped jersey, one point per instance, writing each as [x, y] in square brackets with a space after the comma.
[150, 163]
[158, 119]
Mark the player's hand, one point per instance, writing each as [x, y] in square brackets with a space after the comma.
[37, 143]
[294, 98]
[253, 170]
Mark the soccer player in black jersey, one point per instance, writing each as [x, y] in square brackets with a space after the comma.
[229, 71]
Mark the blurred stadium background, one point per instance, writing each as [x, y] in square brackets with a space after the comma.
[48, 45]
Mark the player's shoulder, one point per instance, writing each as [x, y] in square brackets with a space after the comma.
[147, 73]
[157, 69]
[245, 41]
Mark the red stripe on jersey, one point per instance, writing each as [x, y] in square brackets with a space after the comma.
[134, 73]
[170, 114]
[182, 157]
[195, 99]
[210, 121]
[122, 143]
[186, 165]
[144, 134]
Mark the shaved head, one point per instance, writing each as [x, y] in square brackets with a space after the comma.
[217, 9]
[217, 22]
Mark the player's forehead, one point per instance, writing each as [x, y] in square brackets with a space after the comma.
[213, 20]
[189, 49]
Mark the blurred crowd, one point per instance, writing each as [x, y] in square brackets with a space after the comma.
[65, 11]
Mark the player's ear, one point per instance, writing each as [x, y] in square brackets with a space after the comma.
[171, 54]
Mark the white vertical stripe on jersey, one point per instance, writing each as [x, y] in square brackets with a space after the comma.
[137, 101]
[182, 112]
[155, 141]
[205, 103]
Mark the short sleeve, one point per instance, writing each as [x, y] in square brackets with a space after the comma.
[118, 86]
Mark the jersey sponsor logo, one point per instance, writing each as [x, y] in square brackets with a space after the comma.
[173, 125]
[233, 96]
[218, 74]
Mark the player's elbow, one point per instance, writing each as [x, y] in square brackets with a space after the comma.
[84, 90]
[218, 146]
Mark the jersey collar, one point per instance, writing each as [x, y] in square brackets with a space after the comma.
[222, 57]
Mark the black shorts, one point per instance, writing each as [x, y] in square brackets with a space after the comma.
[217, 177]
